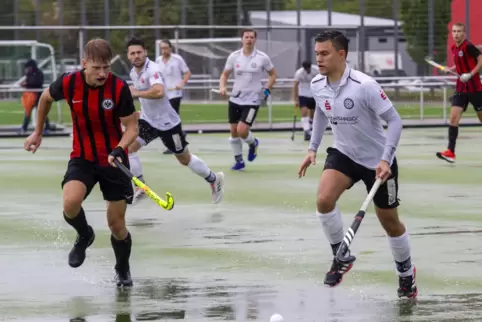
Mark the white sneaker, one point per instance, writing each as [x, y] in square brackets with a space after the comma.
[138, 194]
[217, 187]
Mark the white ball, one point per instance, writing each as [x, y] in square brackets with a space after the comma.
[200, 132]
[276, 318]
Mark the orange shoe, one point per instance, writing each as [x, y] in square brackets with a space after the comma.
[446, 155]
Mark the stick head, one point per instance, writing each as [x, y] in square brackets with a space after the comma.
[169, 201]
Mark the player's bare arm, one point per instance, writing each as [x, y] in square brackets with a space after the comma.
[185, 79]
[478, 67]
[295, 94]
[320, 122]
[271, 78]
[32, 143]
[223, 81]
[155, 92]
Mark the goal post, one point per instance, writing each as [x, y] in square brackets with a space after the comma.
[12, 67]
[206, 58]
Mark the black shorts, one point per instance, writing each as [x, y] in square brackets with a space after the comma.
[308, 102]
[176, 103]
[463, 99]
[113, 184]
[386, 196]
[242, 113]
[174, 139]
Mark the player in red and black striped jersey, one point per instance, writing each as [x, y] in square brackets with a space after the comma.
[99, 103]
[468, 62]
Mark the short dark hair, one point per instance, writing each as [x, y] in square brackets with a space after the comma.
[306, 65]
[245, 30]
[337, 38]
[136, 41]
[167, 42]
[98, 49]
[459, 24]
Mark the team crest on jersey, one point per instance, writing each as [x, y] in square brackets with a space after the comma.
[107, 104]
[253, 65]
[461, 53]
[348, 102]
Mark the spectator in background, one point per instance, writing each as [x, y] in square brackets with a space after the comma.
[34, 79]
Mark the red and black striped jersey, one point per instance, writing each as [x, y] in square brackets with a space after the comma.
[465, 58]
[96, 113]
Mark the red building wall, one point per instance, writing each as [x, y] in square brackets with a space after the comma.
[458, 15]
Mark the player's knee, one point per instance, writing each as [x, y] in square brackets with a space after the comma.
[455, 116]
[72, 205]
[325, 203]
[74, 193]
[184, 158]
[134, 147]
[390, 221]
[243, 130]
[234, 130]
[116, 221]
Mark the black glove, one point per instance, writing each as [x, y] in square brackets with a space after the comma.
[118, 152]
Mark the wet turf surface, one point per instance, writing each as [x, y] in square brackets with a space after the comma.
[261, 251]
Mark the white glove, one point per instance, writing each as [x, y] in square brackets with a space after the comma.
[465, 77]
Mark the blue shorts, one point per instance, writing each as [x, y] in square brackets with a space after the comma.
[308, 102]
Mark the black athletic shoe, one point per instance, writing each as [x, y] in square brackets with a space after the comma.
[338, 269]
[407, 286]
[77, 254]
[167, 152]
[123, 277]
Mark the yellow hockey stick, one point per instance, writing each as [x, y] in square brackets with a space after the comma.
[167, 204]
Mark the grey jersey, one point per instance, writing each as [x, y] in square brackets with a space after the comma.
[304, 80]
[354, 110]
[248, 73]
[157, 112]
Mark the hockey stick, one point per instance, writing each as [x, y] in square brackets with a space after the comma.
[167, 204]
[442, 68]
[294, 128]
[217, 91]
[350, 234]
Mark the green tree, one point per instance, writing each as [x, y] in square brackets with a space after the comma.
[414, 14]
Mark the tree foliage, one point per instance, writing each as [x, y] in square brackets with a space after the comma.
[414, 14]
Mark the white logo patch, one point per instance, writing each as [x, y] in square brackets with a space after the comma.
[107, 104]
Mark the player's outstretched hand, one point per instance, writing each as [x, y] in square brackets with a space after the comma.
[118, 153]
[310, 159]
[32, 143]
[222, 91]
[383, 170]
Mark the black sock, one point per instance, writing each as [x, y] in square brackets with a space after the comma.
[334, 248]
[404, 266]
[122, 251]
[79, 223]
[238, 158]
[453, 133]
[211, 177]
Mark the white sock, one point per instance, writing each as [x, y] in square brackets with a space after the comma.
[136, 165]
[400, 247]
[332, 226]
[237, 147]
[250, 138]
[305, 122]
[199, 167]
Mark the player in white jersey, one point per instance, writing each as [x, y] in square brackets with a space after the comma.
[354, 104]
[302, 97]
[176, 75]
[249, 66]
[159, 120]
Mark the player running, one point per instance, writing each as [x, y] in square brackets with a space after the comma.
[302, 96]
[249, 66]
[159, 120]
[354, 103]
[468, 62]
[176, 75]
[99, 103]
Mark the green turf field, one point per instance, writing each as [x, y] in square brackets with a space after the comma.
[11, 113]
[261, 251]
